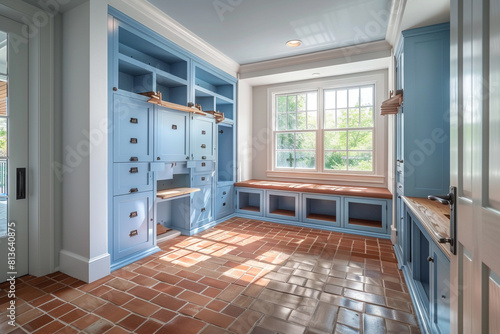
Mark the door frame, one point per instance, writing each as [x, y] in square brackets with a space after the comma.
[44, 113]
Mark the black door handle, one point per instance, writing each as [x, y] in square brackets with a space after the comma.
[20, 183]
[451, 200]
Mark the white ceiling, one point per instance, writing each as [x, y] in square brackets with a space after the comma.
[254, 31]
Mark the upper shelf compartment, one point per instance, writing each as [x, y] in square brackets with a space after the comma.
[135, 46]
[208, 83]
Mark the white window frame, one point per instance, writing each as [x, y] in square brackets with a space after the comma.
[380, 138]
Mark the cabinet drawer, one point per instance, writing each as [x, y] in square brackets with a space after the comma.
[131, 178]
[224, 201]
[202, 180]
[204, 166]
[201, 207]
[203, 139]
[133, 135]
[132, 227]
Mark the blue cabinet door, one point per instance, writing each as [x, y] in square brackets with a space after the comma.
[132, 226]
[203, 140]
[426, 128]
[171, 135]
[441, 291]
[133, 129]
[224, 202]
[201, 207]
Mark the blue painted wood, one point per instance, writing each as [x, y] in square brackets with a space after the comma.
[172, 135]
[201, 207]
[203, 138]
[224, 204]
[424, 130]
[132, 177]
[427, 274]
[366, 214]
[250, 201]
[282, 205]
[132, 228]
[322, 209]
[225, 154]
[203, 166]
[133, 129]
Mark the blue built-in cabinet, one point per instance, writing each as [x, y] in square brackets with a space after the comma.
[155, 148]
[423, 167]
[423, 138]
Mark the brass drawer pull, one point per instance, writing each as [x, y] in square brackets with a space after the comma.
[224, 204]
[133, 214]
[134, 170]
[203, 164]
[203, 146]
[224, 193]
[133, 140]
[134, 159]
[133, 233]
[134, 120]
[204, 158]
[174, 127]
[134, 190]
[202, 209]
[203, 178]
[203, 132]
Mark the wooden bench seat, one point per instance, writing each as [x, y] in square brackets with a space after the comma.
[372, 192]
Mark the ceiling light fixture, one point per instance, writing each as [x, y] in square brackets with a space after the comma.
[316, 74]
[293, 43]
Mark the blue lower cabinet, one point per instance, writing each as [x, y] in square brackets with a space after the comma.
[321, 209]
[203, 138]
[133, 129]
[224, 202]
[282, 205]
[428, 279]
[132, 178]
[250, 201]
[201, 207]
[366, 214]
[200, 180]
[133, 224]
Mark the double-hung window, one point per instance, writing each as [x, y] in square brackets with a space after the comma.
[329, 130]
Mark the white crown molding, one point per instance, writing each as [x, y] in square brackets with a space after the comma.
[338, 56]
[163, 24]
[394, 26]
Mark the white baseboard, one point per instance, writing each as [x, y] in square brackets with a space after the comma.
[85, 269]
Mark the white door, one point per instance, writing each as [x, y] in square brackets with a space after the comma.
[13, 150]
[475, 164]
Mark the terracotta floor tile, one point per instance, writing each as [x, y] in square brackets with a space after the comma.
[111, 312]
[215, 318]
[243, 275]
[117, 297]
[88, 302]
[141, 307]
[85, 321]
[181, 324]
[150, 326]
[132, 322]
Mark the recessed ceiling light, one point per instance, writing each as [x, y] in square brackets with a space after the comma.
[315, 74]
[293, 43]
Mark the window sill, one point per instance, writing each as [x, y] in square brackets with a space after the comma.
[348, 179]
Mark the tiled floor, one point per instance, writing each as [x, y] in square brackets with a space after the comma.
[243, 276]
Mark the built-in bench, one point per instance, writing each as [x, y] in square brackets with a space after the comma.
[359, 210]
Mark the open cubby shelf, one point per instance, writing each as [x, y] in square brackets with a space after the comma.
[318, 216]
[213, 84]
[365, 222]
[283, 212]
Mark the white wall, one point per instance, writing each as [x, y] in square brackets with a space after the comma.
[244, 132]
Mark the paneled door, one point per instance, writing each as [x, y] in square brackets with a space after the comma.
[475, 164]
[14, 170]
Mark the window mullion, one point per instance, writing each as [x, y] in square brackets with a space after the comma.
[319, 131]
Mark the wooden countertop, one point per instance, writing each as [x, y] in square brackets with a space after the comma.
[174, 192]
[317, 188]
[432, 215]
